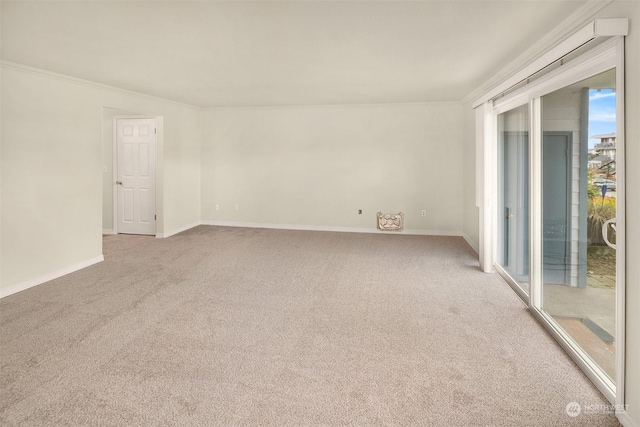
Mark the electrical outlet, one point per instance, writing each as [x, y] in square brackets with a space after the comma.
[217, 207]
[424, 212]
[236, 207]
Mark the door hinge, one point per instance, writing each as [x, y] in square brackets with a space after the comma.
[155, 217]
[155, 130]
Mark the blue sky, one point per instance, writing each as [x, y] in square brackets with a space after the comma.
[602, 113]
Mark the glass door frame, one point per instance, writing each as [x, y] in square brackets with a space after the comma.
[605, 56]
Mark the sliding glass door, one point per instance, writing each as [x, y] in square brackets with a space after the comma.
[558, 195]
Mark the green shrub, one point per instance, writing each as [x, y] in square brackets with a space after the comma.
[599, 210]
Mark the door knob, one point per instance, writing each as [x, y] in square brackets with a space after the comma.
[509, 216]
[119, 182]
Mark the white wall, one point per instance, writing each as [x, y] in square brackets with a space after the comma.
[52, 179]
[180, 170]
[316, 166]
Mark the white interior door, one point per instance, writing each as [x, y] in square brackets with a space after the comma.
[136, 176]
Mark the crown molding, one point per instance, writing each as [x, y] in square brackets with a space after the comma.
[354, 105]
[76, 80]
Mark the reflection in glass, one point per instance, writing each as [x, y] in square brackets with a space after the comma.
[578, 197]
[513, 194]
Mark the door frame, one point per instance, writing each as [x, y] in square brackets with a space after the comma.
[159, 171]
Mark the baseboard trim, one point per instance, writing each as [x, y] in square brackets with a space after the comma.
[470, 243]
[108, 231]
[13, 289]
[177, 230]
[371, 230]
[444, 233]
[289, 226]
[625, 419]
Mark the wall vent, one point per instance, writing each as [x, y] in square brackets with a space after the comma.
[390, 222]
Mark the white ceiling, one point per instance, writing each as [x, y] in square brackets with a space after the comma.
[244, 53]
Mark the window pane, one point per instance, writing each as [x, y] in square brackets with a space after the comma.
[513, 194]
[578, 196]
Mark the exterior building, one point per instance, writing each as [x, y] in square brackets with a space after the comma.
[603, 155]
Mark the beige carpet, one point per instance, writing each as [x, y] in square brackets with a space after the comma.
[233, 326]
